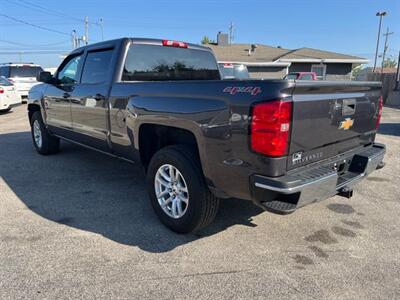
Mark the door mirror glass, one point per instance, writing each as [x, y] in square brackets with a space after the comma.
[44, 77]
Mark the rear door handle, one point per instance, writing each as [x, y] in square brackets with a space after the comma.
[99, 97]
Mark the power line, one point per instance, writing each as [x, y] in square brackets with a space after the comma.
[34, 25]
[34, 45]
[47, 10]
[42, 9]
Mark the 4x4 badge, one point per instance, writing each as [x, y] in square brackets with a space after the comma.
[346, 124]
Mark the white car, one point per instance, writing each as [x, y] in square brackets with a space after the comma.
[8, 95]
[22, 75]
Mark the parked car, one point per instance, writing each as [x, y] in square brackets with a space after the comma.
[8, 96]
[301, 76]
[22, 75]
[279, 143]
[233, 71]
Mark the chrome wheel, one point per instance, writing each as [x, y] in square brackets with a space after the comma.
[171, 191]
[37, 134]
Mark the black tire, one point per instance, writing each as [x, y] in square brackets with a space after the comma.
[202, 206]
[50, 144]
[4, 111]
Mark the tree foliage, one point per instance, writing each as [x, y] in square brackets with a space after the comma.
[389, 63]
[206, 40]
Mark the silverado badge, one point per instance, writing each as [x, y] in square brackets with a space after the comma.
[346, 124]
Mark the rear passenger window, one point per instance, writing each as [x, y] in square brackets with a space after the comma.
[156, 63]
[97, 66]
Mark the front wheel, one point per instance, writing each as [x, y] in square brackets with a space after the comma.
[178, 192]
[43, 141]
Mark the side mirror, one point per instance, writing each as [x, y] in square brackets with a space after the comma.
[44, 77]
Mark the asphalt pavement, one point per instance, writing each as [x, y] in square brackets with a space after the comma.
[79, 225]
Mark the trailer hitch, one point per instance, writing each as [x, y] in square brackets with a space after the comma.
[346, 192]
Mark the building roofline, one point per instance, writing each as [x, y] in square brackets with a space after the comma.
[261, 64]
[325, 60]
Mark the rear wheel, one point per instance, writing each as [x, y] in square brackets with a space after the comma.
[43, 141]
[178, 192]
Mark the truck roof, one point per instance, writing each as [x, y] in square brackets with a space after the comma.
[135, 40]
[19, 64]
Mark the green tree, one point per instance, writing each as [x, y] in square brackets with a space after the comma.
[206, 40]
[390, 63]
[356, 70]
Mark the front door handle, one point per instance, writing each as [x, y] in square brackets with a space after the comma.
[66, 95]
[99, 97]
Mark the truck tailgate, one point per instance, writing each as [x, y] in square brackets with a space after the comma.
[330, 118]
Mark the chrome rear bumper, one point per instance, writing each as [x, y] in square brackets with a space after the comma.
[315, 183]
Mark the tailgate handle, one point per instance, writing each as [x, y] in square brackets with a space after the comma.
[349, 107]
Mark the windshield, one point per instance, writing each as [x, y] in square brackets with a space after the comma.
[291, 76]
[4, 82]
[24, 71]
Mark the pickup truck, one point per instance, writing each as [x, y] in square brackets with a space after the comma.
[279, 143]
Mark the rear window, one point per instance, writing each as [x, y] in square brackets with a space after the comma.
[4, 71]
[24, 71]
[156, 63]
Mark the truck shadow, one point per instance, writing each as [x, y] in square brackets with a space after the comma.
[389, 129]
[93, 192]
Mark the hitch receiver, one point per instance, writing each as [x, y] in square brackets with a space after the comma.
[346, 192]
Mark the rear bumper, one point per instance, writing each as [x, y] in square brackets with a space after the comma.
[287, 193]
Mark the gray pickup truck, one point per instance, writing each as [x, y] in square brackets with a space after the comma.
[281, 144]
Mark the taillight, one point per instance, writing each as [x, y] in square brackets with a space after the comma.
[270, 127]
[177, 44]
[378, 117]
[1, 90]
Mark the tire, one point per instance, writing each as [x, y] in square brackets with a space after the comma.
[4, 111]
[202, 205]
[43, 141]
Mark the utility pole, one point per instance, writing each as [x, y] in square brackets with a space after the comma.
[385, 47]
[397, 87]
[230, 33]
[74, 39]
[100, 23]
[86, 30]
[380, 15]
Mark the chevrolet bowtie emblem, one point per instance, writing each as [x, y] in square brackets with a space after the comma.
[346, 124]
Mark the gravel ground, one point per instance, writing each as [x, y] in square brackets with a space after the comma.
[79, 225]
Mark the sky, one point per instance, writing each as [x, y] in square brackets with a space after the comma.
[344, 26]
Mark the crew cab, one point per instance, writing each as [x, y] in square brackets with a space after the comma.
[22, 75]
[281, 144]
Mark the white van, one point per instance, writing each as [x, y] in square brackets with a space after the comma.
[22, 75]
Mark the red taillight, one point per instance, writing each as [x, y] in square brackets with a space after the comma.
[1, 90]
[178, 44]
[378, 117]
[270, 127]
